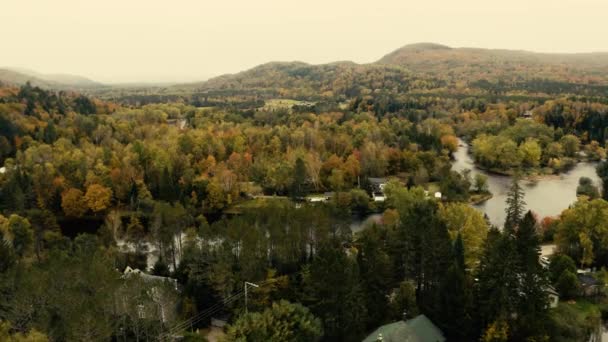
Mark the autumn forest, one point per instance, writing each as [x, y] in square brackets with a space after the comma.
[299, 202]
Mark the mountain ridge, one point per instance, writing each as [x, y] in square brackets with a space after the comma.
[425, 59]
[20, 76]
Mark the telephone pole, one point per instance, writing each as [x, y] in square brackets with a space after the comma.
[252, 285]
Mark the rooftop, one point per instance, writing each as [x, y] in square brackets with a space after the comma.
[418, 329]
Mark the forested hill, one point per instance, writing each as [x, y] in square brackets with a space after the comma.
[19, 77]
[416, 68]
[471, 64]
[297, 79]
[423, 67]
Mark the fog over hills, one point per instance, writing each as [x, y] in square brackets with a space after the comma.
[19, 76]
[420, 59]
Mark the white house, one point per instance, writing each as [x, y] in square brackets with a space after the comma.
[149, 277]
[377, 184]
[553, 296]
[378, 197]
[317, 199]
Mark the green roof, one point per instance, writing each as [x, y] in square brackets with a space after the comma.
[418, 329]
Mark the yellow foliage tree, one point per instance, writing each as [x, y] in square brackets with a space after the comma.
[449, 142]
[31, 336]
[98, 197]
[472, 226]
[498, 331]
[72, 203]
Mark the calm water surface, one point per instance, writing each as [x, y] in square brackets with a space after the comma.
[548, 196]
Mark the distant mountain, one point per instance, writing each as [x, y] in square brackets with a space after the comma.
[305, 80]
[471, 64]
[18, 76]
[422, 67]
[14, 78]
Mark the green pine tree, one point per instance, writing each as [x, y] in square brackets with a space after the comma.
[456, 298]
[375, 268]
[299, 179]
[532, 314]
[335, 295]
[515, 206]
[498, 281]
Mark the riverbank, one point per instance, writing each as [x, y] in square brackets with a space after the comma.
[476, 198]
[565, 165]
[534, 174]
[545, 194]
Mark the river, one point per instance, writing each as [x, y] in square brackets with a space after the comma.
[548, 196]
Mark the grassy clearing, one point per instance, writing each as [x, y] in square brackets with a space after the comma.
[254, 203]
[282, 103]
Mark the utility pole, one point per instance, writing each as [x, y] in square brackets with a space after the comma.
[248, 284]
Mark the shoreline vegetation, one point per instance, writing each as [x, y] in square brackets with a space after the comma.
[531, 174]
[479, 198]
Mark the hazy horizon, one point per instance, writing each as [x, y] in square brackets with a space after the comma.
[187, 40]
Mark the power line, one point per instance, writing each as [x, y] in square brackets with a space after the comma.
[207, 312]
[202, 314]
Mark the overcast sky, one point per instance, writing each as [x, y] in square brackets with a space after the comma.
[187, 40]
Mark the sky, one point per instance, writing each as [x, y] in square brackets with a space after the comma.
[117, 41]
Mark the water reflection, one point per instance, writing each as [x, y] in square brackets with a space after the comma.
[359, 223]
[548, 196]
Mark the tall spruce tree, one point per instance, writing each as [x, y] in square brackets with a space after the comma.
[456, 298]
[498, 282]
[533, 283]
[459, 252]
[602, 172]
[426, 254]
[375, 267]
[299, 179]
[167, 190]
[515, 206]
[335, 294]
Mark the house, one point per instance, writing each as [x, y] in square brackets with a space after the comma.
[553, 296]
[377, 184]
[320, 197]
[315, 199]
[527, 114]
[544, 261]
[438, 195]
[3, 169]
[129, 272]
[179, 123]
[378, 197]
[418, 329]
[147, 296]
[589, 285]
